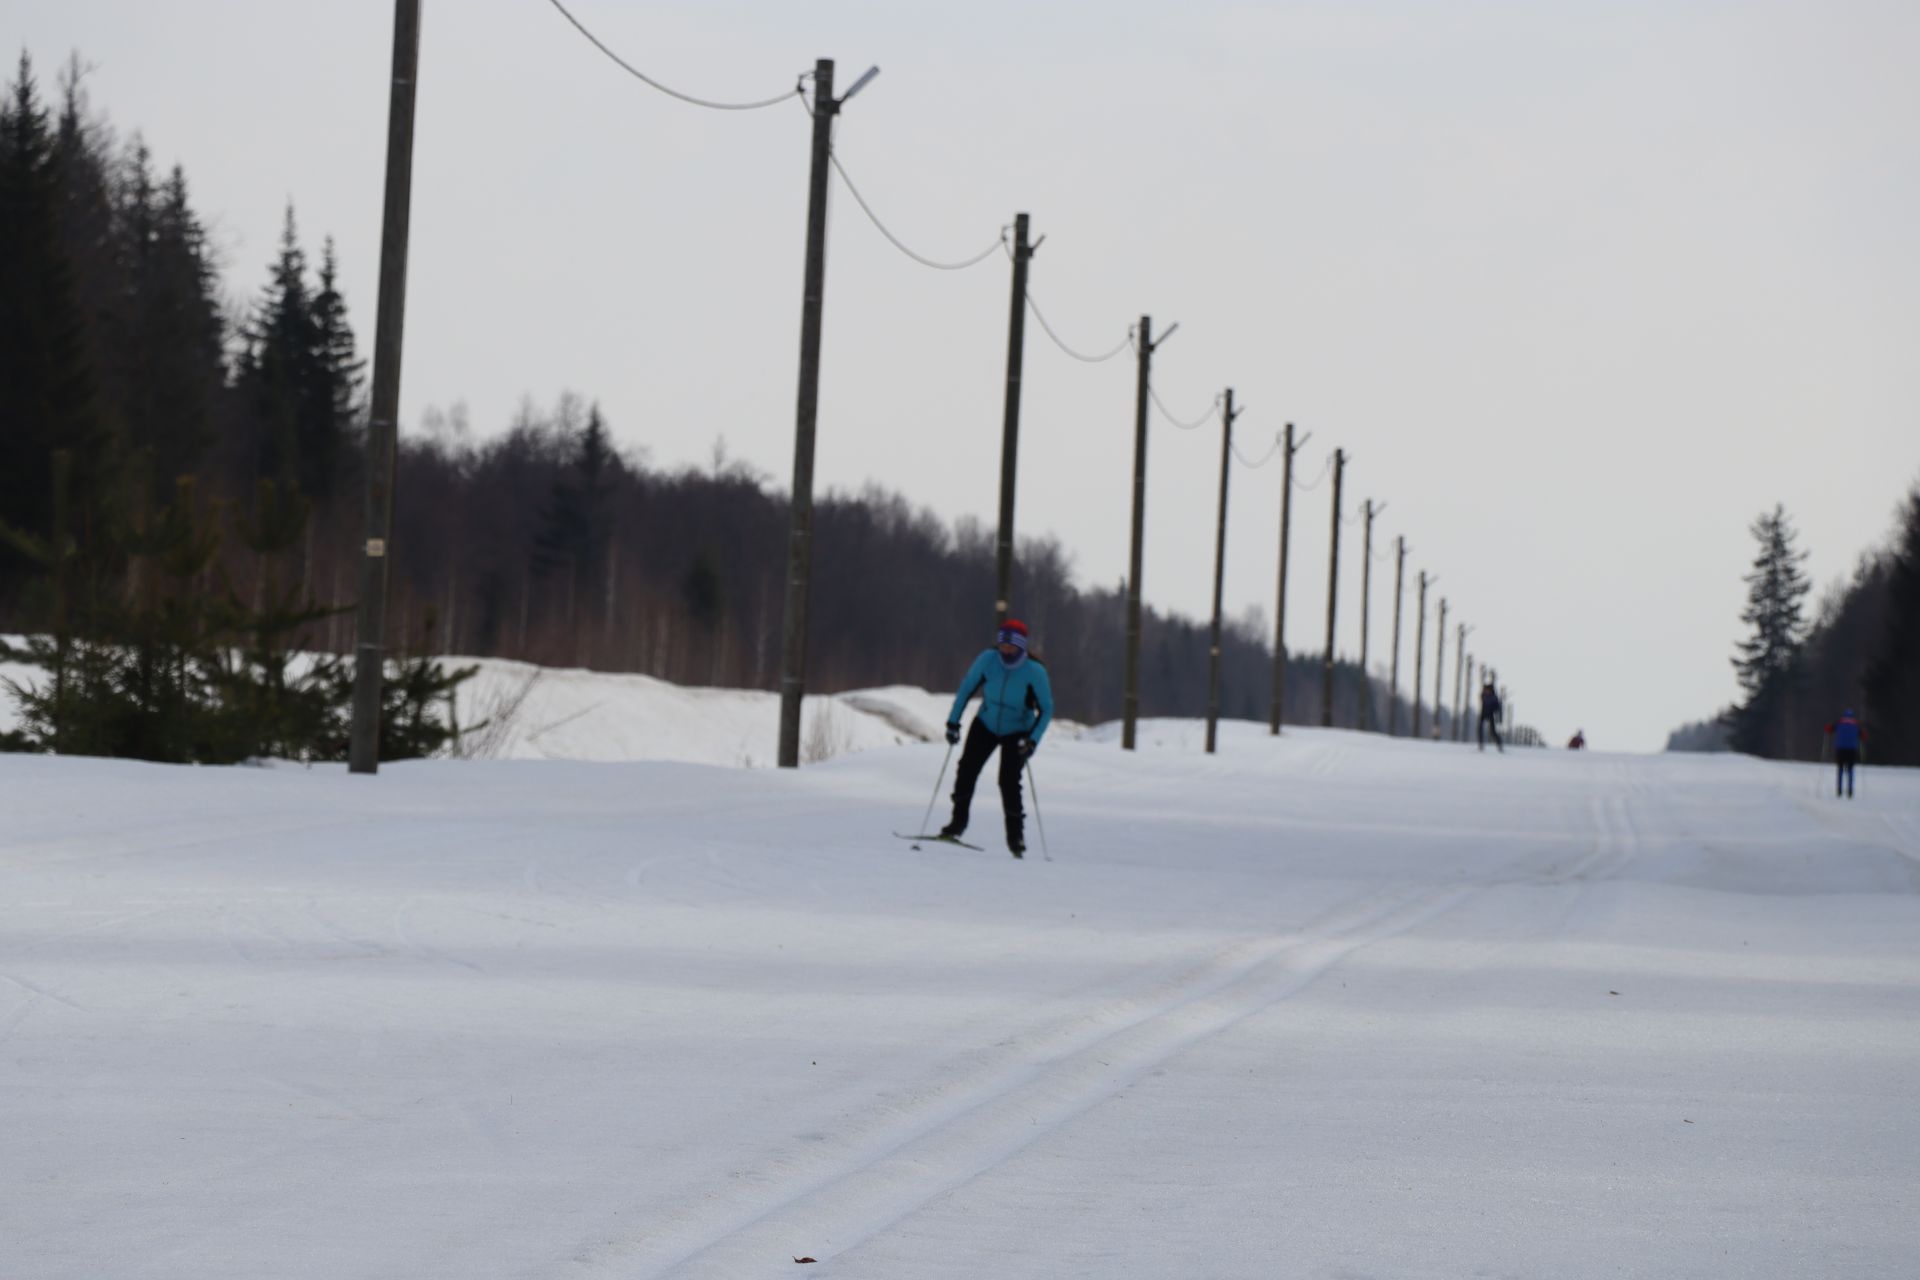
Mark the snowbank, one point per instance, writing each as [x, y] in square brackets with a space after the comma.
[517, 711]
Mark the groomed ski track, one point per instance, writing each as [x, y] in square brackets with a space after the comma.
[1371, 1007]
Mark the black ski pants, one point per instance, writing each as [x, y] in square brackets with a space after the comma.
[1489, 725]
[981, 743]
[1844, 759]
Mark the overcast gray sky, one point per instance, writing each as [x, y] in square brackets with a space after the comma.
[1581, 287]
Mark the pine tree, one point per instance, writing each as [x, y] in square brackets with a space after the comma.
[298, 376]
[124, 679]
[89, 240]
[279, 697]
[577, 520]
[174, 341]
[167, 660]
[411, 698]
[48, 389]
[158, 633]
[338, 370]
[1892, 705]
[278, 345]
[1767, 661]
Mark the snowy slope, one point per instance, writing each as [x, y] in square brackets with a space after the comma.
[1323, 1005]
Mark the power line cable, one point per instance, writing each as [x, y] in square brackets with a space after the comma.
[1315, 483]
[1194, 425]
[1265, 458]
[895, 241]
[646, 79]
[1034, 307]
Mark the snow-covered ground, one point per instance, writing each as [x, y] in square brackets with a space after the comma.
[1324, 1006]
[516, 711]
[523, 712]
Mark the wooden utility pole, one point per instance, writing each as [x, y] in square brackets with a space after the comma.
[1219, 572]
[1393, 682]
[1131, 703]
[1010, 436]
[1333, 593]
[1460, 668]
[1366, 600]
[1440, 667]
[1419, 655]
[1280, 613]
[793, 666]
[370, 648]
[1460, 659]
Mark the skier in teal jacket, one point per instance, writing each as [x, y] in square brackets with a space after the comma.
[1016, 706]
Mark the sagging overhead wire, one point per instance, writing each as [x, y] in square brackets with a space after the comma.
[1201, 421]
[648, 80]
[1034, 307]
[895, 241]
[1325, 469]
[1273, 450]
[1058, 341]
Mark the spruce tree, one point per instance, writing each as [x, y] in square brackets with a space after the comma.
[278, 346]
[174, 342]
[338, 370]
[278, 696]
[1766, 662]
[124, 679]
[1892, 706]
[576, 523]
[159, 631]
[89, 240]
[48, 389]
[411, 697]
[298, 376]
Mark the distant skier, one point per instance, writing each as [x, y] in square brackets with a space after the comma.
[1016, 706]
[1489, 718]
[1847, 735]
[1578, 741]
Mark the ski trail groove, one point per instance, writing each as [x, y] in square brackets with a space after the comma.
[35, 991]
[827, 1199]
[1614, 846]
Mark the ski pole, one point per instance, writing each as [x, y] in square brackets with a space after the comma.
[935, 797]
[1038, 821]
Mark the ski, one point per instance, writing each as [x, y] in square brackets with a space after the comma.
[940, 839]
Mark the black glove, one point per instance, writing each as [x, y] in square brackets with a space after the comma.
[1027, 747]
[953, 732]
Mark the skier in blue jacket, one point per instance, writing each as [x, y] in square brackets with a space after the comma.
[1847, 734]
[1016, 706]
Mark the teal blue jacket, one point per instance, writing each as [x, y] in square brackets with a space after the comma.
[1012, 701]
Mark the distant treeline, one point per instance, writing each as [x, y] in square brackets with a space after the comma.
[548, 544]
[541, 540]
[1701, 735]
[1859, 651]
